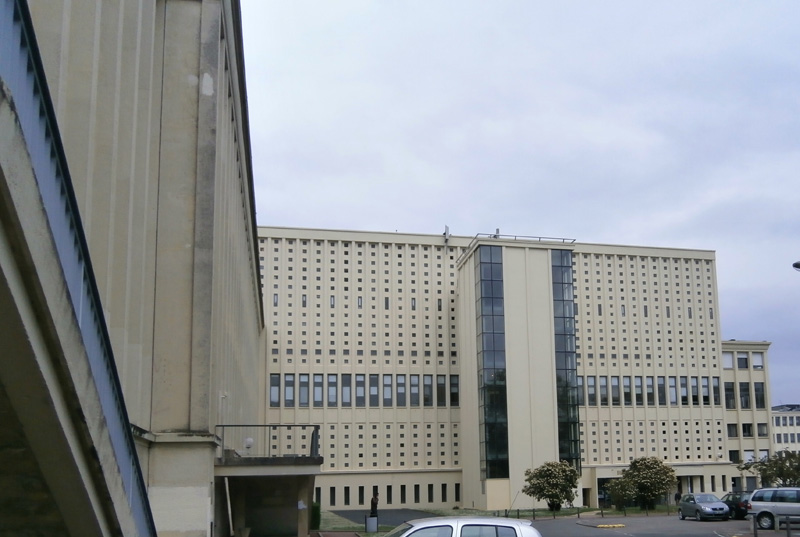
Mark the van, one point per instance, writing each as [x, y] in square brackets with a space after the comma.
[769, 505]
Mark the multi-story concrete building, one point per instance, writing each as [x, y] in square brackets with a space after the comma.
[786, 427]
[129, 291]
[441, 367]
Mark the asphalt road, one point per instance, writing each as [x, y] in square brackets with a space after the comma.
[596, 526]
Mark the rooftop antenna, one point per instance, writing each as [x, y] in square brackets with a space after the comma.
[497, 233]
[446, 234]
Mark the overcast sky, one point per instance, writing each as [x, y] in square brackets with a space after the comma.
[658, 124]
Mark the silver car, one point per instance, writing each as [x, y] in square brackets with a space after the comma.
[465, 526]
[702, 507]
[770, 505]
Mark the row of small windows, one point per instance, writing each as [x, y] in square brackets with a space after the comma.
[389, 498]
[747, 430]
[744, 360]
[359, 302]
[675, 391]
[787, 438]
[786, 420]
[735, 456]
[648, 391]
[371, 390]
[646, 311]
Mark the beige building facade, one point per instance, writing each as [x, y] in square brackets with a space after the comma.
[441, 367]
[129, 265]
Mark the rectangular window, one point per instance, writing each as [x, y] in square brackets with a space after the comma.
[758, 360]
[288, 390]
[332, 493]
[414, 399]
[626, 391]
[733, 430]
[715, 390]
[760, 395]
[303, 390]
[742, 360]
[637, 389]
[374, 399]
[347, 389]
[651, 396]
[416, 493]
[318, 379]
[591, 391]
[333, 390]
[444, 492]
[427, 390]
[744, 395]
[347, 495]
[402, 494]
[360, 390]
[361, 494]
[430, 492]
[603, 391]
[626, 385]
[388, 495]
[441, 390]
[762, 430]
[387, 390]
[454, 391]
[673, 391]
[401, 394]
[662, 391]
[733, 456]
[581, 392]
[727, 360]
[695, 392]
[706, 395]
[730, 396]
[386, 303]
[747, 430]
[274, 390]
[684, 392]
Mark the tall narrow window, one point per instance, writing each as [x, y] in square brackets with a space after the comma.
[318, 389]
[303, 390]
[387, 391]
[695, 392]
[360, 390]
[706, 393]
[373, 391]
[414, 390]
[591, 394]
[441, 390]
[288, 390]
[730, 395]
[715, 390]
[615, 390]
[760, 394]
[744, 395]
[346, 389]
[603, 390]
[427, 390]
[651, 397]
[274, 390]
[684, 392]
[637, 387]
[662, 391]
[401, 390]
[673, 391]
[454, 395]
[333, 390]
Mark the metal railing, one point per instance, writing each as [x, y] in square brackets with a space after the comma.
[21, 70]
[241, 441]
[525, 238]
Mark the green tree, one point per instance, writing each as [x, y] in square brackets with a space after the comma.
[554, 482]
[622, 491]
[651, 478]
[782, 469]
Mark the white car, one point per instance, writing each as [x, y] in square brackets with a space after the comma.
[465, 526]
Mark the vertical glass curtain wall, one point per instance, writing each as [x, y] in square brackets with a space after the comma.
[490, 320]
[566, 363]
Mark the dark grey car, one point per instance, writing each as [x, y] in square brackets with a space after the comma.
[702, 507]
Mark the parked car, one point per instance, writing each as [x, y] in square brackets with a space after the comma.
[465, 527]
[737, 503]
[771, 504]
[702, 507]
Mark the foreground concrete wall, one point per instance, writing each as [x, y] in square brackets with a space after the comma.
[151, 104]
